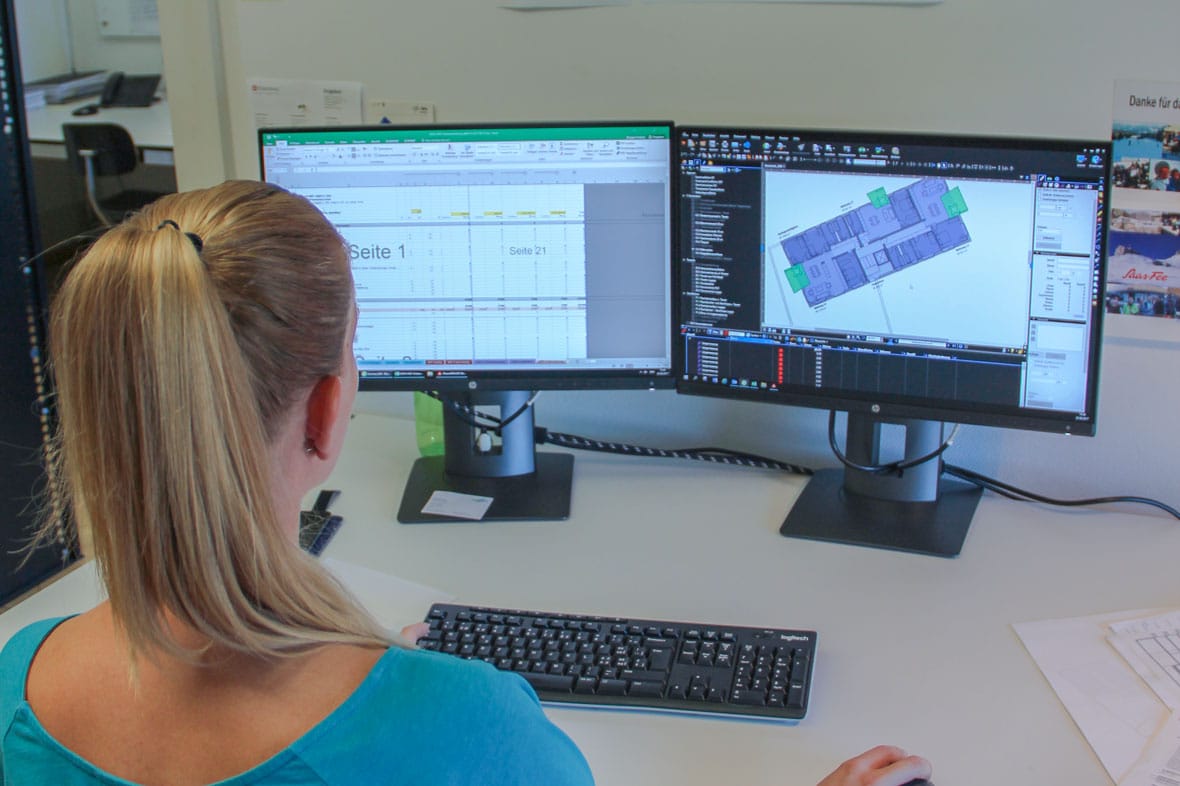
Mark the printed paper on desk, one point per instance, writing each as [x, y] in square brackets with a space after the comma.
[1160, 765]
[1152, 647]
[1116, 712]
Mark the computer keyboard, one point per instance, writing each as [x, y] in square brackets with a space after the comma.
[633, 663]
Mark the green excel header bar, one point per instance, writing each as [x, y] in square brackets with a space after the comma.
[378, 135]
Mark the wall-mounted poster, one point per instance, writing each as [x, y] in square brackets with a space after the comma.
[1143, 248]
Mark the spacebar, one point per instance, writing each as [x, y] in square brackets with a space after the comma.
[554, 682]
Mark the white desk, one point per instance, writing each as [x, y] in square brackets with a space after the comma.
[150, 127]
[917, 651]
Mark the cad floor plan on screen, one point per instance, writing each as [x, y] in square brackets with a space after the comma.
[867, 251]
[891, 231]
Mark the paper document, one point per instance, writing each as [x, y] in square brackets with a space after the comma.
[303, 102]
[128, 18]
[1160, 765]
[1115, 710]
[1152, 647]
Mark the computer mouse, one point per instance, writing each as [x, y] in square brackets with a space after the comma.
[86, 109]
[919, 782]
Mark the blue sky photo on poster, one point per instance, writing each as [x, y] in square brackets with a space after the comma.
[1143, 248]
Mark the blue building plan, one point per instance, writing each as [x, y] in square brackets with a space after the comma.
[891, 232]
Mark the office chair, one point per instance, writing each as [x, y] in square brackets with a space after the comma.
[105, 150]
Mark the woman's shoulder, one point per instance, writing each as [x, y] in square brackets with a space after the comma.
[15, 658]
[433, 685]
[434, 668]
[435, 718]
[17, 653]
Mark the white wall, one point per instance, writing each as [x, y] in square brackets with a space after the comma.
[94, 51]
[988, 66]
[57, 35]
[1007, 66]
[43, 38]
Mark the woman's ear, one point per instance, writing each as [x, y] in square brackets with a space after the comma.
[323, 409]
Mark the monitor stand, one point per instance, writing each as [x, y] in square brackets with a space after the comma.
[524, 485]
[916, 511]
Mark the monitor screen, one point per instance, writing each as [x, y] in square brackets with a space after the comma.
[957, 279]
[492, 261]
[498, 256]
[902, 278]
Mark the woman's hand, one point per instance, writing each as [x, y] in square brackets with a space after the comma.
[412, 633]
[884, 765]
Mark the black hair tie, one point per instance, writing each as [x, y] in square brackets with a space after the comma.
[193, 237]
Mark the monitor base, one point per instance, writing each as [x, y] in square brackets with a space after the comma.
[542, 495]
[827, 511]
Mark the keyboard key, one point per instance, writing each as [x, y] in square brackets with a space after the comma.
[612, 687]
[586, 685]
[554, 682]
[659, 659]
[642, 675]
[651, 688]
[748, 697]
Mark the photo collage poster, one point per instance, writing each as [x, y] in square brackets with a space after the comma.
[1143, 248]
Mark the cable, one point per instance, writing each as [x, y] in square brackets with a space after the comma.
[713, 455]
[470, 415]
[892, 468]
[543, 436]
[1012, 492]
[984, 482]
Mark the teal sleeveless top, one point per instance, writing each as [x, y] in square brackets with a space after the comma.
[418, 718]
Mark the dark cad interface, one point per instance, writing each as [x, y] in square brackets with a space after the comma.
[845, 268]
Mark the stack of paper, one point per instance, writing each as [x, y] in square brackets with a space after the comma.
[1119, 677]
[62, 88]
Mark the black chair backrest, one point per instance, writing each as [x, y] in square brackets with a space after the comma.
[114, 149]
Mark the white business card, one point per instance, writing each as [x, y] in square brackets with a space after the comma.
[460, 506]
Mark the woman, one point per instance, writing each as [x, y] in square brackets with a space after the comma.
[204, 377]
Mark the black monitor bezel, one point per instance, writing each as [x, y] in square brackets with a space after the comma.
[521, 379]
[896, 407]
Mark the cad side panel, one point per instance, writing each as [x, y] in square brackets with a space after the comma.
[22, 416]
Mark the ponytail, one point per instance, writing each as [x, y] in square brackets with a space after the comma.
[179, 344]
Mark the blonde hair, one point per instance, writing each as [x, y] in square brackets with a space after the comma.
[177, 357]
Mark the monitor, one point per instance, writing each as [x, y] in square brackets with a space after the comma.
[492, 261]
[27, 411]
[904, 279]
